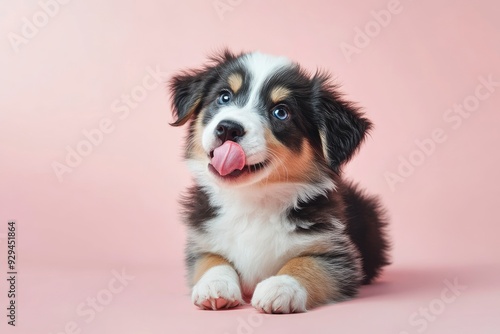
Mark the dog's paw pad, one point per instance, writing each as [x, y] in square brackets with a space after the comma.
[280, 294]
[218, 304]
[217, 289]
[216, 295]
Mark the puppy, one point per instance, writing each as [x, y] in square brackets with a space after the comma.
[270, 219]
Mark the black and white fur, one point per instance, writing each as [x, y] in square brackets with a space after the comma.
[290, 222]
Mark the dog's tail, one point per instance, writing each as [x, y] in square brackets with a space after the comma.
[366, 223]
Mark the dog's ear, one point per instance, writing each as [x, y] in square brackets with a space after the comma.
[342, 128]
[187, 91]
[188, 88]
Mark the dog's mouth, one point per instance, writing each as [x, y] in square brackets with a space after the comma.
[228, 161]
[247, 169]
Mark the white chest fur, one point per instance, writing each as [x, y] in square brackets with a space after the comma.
[254, 235]
[257, 244]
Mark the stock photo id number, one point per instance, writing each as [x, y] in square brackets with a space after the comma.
[11, 273]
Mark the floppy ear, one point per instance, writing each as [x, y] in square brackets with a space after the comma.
[342, 127]
[187, 92]
[188, 89]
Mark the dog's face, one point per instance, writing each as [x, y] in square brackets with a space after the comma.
[256, 118]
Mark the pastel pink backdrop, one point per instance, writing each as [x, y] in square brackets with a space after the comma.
[118, 208]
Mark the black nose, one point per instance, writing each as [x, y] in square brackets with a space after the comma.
[229, 130]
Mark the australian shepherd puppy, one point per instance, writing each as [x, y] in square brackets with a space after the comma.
[270, 219]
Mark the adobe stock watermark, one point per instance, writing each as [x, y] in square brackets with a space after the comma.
[453, 117]
[363, 36]
[94, 136]
[248, 325]
[223, 6]
[87, 310]
[31, 26]
[425, 315]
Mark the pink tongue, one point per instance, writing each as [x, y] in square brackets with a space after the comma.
[228, 157]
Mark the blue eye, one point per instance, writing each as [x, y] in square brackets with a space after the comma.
[280, 113]
[224, 97]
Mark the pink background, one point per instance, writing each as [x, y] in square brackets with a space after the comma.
[118, 208]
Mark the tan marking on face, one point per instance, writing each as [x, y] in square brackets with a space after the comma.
[290, 166]
[194, 148]
[235, 81]
[314, 277]
[279, 93]
[205, 263]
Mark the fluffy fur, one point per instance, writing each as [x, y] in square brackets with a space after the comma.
[286, 233]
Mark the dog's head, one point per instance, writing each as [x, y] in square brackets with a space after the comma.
[258, 118]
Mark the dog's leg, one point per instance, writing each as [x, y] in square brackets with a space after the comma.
[307, 281]
[215, 283]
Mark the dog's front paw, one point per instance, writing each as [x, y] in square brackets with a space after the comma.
[280, 294]
[218, 288]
